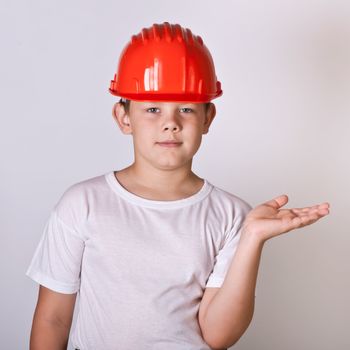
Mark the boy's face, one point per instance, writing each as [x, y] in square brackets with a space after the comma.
[152, 123]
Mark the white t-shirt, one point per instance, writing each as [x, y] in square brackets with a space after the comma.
[140, 266]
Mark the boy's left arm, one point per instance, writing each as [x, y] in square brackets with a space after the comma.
[224, 319]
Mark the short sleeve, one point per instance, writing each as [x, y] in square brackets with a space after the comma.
[56, 263]
[225, 255]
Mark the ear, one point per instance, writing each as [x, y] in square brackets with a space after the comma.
[122, 118]
[209, 117]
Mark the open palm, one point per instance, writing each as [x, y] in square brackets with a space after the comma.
[268, 219]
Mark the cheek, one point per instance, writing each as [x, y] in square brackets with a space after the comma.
[144, 135]
[194, 130]
[192, 140]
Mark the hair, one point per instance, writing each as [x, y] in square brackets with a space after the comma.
[126, 104]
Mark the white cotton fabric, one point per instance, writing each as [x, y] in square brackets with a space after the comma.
[140, 266]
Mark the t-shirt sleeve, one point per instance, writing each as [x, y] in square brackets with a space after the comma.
[225, 255]
[56, 263]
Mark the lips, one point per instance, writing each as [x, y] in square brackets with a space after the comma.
[169, 143]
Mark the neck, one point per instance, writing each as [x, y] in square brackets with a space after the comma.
[159, 184]
[162, 180]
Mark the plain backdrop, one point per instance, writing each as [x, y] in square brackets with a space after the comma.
[282, 126]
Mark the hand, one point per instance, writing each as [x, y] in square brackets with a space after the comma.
[267, 220]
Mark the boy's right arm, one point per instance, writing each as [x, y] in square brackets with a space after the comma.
[52, 320]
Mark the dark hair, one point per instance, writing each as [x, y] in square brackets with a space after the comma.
[126, 103]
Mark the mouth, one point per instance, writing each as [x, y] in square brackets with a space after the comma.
[169, 144]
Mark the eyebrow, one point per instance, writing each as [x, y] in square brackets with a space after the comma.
[179, 104]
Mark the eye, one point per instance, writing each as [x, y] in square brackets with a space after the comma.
[187, 110]
[152, 109]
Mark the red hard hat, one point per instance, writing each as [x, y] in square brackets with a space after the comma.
[166, 63]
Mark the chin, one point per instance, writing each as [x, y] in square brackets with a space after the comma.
[166, 165]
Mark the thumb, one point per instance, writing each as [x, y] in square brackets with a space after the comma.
[277, 202]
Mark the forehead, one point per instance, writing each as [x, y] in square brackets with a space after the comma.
[165, 104]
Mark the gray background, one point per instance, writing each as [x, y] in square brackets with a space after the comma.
[282, 126]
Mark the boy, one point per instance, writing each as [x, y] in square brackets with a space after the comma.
[161, 258]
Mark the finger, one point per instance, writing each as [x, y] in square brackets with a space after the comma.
[287, 213]
[318, 209]
[292, 221]
[306, 209]
[314, 212]
[314, 207]
[309, 211]
[277, 202]
[295, 212]
[307, 219]
[324, 211]
[324, 204]
[299, 221]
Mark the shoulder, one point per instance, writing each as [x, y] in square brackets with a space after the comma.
[229, 200]
[74, 205]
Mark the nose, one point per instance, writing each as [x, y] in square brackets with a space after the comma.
[171, 123]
